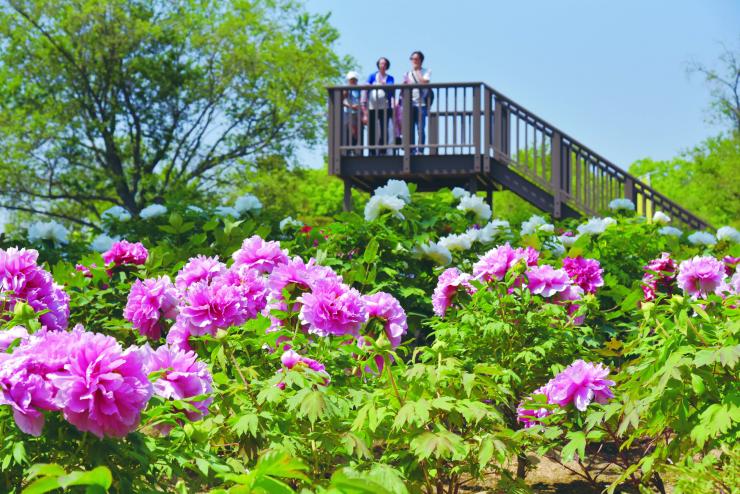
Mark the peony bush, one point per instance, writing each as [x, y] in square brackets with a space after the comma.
[420, 345]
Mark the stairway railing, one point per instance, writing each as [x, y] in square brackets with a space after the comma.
[473, 119]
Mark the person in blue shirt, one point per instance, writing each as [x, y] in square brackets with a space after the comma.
[378, 103]
[352, 105]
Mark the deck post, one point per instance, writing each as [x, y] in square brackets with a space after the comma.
[406, 129]
[347, 204]
[555, 174]
[336, 129]
[487, 129]
[489, 196]
[629, 189]
[476, 129]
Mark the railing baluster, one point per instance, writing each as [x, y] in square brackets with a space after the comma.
[487, 128]
[476, 129]
[555, 166]
[406, 131]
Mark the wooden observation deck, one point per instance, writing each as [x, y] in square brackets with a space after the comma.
[479, 139]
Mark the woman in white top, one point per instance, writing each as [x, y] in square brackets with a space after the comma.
[420, 98]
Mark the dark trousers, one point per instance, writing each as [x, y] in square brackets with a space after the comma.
[377, 126]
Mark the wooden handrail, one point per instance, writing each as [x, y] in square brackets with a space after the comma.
[472, 118]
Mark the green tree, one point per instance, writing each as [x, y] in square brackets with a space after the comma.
[724, 84]
[123, 102]
[704, 180]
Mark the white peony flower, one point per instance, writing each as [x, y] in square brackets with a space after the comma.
[491, 230]
[289, 223]
[463, 241]
[568, 240]
[729, 234]
[661, 217]
[48, 230]
[702, 238]
[670, 230]
[116, 213]
[153, 211]
[459, 193]
[437, 253]
[226, 211]
[377, 204]
[532, 224]
[103, 242]
[622, 204]
[547, 228]
[395, 188]
[247, 204]
[477, 205]
[595, 226]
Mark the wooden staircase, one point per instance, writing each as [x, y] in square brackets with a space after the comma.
[479, 139]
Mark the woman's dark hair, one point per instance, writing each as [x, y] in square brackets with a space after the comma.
[387, 63]
[421, 55]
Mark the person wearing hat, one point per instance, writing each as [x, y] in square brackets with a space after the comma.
[378, 104]
[352, 105]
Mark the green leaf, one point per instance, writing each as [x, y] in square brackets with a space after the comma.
[485, 453]
[19, 452]
[313, 406]
[577, 444]
[99, 476]
[42, 485]
[280, 464]
[371, 252]
[246, 424]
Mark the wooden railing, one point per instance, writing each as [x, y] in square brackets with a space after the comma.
[473, 119]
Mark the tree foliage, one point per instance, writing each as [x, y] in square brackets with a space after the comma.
[709, 169]
[121, 102]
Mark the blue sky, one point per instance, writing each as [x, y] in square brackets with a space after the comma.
[611, 74]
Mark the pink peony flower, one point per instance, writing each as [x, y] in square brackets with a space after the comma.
[731, 264]
[178, 337]
[734, 284]
[125, 252]
[148, 302]
[199, 268]
[207, 308]
[701, 276]
[496, 263]
[580, 383]
[297, 276]
[45, 373]
[184, 377]
[659, 277]
[386, 308]
[251, 287]
[448, 284]
[22, 279]
[26, 392]
[8, 336]
[257, 254]
[527, 414]
[293, 361]
[84, 270]
[332, 308]
[102, 389]
[546, 281]
[585, 273]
